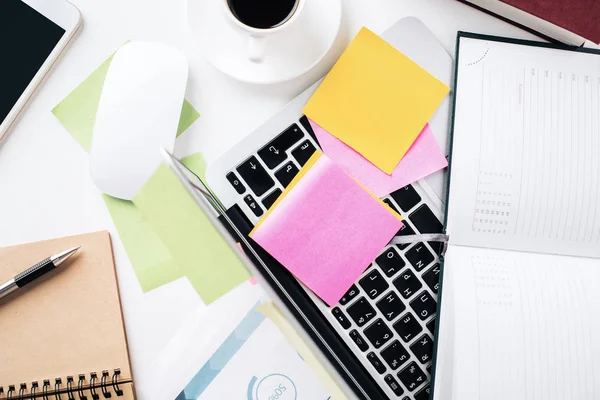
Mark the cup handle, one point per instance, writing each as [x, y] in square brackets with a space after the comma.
[256, 49]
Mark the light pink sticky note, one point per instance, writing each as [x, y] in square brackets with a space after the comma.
[422, 159]
[327, 230]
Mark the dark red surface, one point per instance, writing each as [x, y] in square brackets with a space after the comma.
[579, 16]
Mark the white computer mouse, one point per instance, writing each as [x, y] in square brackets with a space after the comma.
[138, 114]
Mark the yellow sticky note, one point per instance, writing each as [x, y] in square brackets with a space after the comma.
[376, 100]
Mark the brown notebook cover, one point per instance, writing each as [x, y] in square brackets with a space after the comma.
[64, 332]
[579, 16]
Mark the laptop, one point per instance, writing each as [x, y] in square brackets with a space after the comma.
[378, 340]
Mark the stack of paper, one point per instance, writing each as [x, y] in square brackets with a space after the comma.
[326, 228]
[260, 359]
[377, 102]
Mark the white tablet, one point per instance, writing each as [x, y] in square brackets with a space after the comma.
[33, 33]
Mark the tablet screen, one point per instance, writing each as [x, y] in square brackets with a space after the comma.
[26, 40]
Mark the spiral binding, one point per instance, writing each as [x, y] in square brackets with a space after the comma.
[106, 386]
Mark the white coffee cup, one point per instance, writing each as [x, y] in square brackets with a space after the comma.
[258, 38]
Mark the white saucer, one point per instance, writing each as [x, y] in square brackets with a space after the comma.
[289, 54]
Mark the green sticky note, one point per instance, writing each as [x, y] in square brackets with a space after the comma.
[150, 258]
[188, 116]
[77, 112]
[200, 251]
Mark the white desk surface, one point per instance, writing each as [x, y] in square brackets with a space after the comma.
[45, 188]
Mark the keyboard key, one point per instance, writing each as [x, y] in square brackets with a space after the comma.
[391, 306]
[360, 342]
[303, 152]
[235, 182]
[393, 207]
[424, 305]
[419, 256]
[255, 176]
[408, 327]
[432, 278]
[406, 197]
[390, 262]
[423, 349]
[423, 394]
[394, 385]
[272, 156]
[286, 174]
[404, 231]
[339, 315]
[437, 247]
[431, 326]
[249, 200]
[412, 376]
[350, 294]
[395, 355]
[376, 362]
[425, 220]
[273, 153]
[378, 333]
[407, 283]
[270, 198]
[361, 312]
[308, 128]
[373, 283]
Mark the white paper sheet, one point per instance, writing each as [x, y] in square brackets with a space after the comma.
[526, 159]
[526, 325]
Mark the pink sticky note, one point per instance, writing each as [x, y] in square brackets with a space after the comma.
[422, 159]
[327, 230]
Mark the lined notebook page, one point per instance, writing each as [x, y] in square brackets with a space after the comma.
[526, 325]
[526, 154]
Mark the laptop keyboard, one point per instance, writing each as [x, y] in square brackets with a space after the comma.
[388, 316]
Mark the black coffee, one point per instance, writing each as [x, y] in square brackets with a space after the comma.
[263, 14]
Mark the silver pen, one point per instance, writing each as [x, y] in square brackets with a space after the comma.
[38, 270]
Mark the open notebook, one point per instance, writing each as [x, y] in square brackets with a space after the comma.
[519, 301]
[62, 336]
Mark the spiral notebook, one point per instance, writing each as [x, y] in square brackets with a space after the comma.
[62, 336]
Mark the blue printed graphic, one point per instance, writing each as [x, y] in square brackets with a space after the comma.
[222, 356]
[276, 387]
